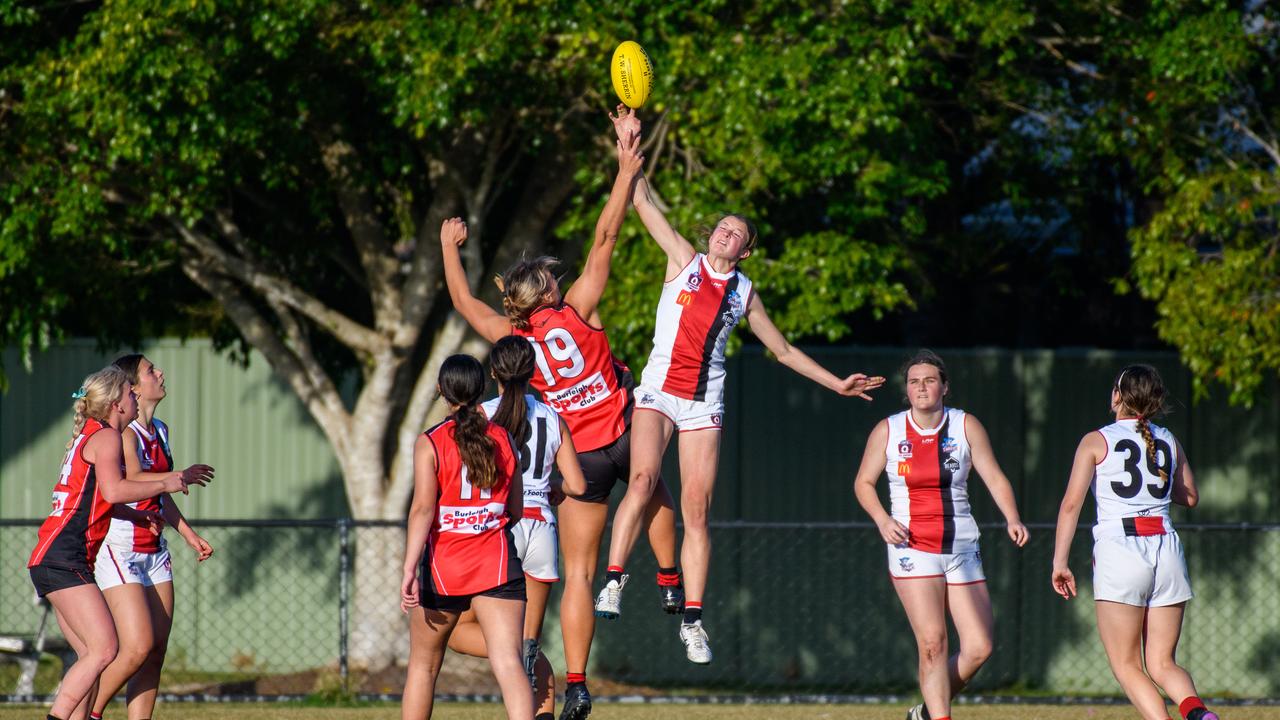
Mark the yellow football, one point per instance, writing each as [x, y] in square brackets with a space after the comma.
[632, 74]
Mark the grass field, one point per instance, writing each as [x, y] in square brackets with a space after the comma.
[470, 711]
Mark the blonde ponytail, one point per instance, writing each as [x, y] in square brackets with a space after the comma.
[95, 396]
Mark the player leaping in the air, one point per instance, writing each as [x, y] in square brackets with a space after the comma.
[705, 295]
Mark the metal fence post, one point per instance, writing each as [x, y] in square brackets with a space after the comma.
[344, 598]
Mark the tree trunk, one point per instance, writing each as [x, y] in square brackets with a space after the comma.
[379, 631]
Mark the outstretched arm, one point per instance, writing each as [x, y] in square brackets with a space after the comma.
[984, 461]
[856, 385]
[489, 323]
[679, 251]
[585, 294]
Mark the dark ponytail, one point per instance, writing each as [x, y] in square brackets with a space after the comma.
[461, 383]
[513, 363]
[1142, 393]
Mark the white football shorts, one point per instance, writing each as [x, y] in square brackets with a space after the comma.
[1147, 571]
[538, 546]
[906, 563]
[118, 567]
[687, 415]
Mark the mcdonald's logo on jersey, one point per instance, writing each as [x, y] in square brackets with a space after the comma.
[685, 298]
[904, 468]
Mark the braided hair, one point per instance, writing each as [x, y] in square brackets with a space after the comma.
[1142, 394]
[95, 396]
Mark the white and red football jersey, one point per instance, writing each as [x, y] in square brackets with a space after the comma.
[928, 472]
[696, 313]
[153, 456]
[576, 375]
[537, 457]
[1132, 499]
[469, 547]
[70, 537]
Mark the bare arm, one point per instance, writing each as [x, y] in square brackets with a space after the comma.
[574, 483]
[856, 385]
[174, 517]
[1092, 448]
[103, 450]
[489, 323]
[421, 516]
[1184, 481]
[133, 471]
[864, 486]
[585, 294]
[679, 251]
[984, 461]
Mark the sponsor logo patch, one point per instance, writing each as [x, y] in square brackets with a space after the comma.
[581, 395]
[952, 464]
[685, 298]
[949, 445]
[904, 468]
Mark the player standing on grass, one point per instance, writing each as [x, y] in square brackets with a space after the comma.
[927, 451]
[1140, 581]
[62, 563]
[133, 567]
[459, 550]
[580, 379]
[705, 295]
[545, 444]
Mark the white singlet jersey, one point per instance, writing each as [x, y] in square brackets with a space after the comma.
[928, 473]
[696, 313]
[153, 456]
[537, 455]
[1132, 499]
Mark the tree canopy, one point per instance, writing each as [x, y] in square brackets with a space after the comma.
[930, 171]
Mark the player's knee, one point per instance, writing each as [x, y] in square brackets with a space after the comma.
[977, 651]
[1160, 665]
[643, 480]
[695, 517]
[933, 648]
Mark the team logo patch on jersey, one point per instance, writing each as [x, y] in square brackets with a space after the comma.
[928, 440]
[904, 448]
[952, 464]
[949, 445]
[694, 281]
[685, 298]
[646, 399]
[906, 564]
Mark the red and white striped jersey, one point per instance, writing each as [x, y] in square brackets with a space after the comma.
[1127, 484]
[576, 375]
[537, 457]
[929, 482]
[696, 313]
[469, 547]
[73, 532]
[153, 456]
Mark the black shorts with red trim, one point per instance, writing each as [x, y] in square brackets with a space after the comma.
[48, 579]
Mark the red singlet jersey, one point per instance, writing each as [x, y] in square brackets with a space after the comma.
[153, 456]
[576, 375]
[73, 532]
[469, 547]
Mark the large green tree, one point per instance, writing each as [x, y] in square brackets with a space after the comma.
[275, 174]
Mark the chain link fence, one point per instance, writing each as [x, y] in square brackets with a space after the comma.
[286, 608]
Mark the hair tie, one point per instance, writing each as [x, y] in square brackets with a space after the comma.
[78, 394]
